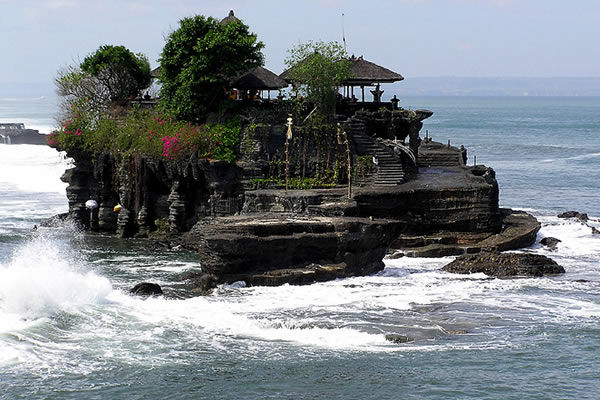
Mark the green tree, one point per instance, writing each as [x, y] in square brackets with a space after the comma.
[317, 70]
[110, 75]
[121, 73]
[199, 60]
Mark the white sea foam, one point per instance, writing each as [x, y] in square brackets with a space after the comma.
[32, 168]
[576, 237]
[42, 278]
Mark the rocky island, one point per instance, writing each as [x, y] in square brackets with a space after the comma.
[18, 134]
[266, 236]
[289, 190]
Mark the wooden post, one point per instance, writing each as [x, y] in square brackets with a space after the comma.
[288, 136]
[349, 162]
[346, 142]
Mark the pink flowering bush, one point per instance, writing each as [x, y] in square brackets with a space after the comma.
[145, 132]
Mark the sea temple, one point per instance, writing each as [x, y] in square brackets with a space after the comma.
[305, 200]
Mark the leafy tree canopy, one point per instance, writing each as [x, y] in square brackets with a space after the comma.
[122, 73]
[107, 77]
[317, 70]
[199, 60]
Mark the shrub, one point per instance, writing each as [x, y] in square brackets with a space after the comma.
[146, 132]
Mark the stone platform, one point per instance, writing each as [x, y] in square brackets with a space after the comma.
[275, 249]
[519, 230]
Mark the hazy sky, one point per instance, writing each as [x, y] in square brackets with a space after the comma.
[481, 38]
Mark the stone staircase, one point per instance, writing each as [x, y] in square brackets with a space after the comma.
[438, 155]
[389, 171]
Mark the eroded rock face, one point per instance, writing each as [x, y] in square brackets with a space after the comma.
[149, 190]
[519, 230]
[504, 265]
[276, 249]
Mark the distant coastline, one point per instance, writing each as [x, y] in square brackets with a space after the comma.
[470, 86]
[450, 86]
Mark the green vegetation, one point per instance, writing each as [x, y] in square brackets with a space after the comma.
[199, 60]
[146, 132]
[106, 78]
[121, 73]
[96, 116]
[317, 70]
[294, 183]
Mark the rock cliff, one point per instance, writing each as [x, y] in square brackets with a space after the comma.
[273, 236]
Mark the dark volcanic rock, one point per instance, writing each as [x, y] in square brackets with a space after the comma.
[550, 242]
[504, 265]
[595, 231]
[55, 221]
[397, 338]
[146, 289]
[519, 230]
[17, 134]
[574, 214]
[272, 250]
[201, 283]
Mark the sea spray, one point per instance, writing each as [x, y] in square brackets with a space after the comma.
[29, 168]
[46, 275]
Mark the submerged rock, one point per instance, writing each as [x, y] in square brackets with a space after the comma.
[146, 289]
[398, 339]
[574, 214]
[504, 265]
[201, 283]
[54, 221]
[550, 242]
[457, 332]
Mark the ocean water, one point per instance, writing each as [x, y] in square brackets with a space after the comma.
[70, 330]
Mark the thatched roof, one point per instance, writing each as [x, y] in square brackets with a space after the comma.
[367, 73]
[155, 72]
[364, 73]
[230, 18]
[259, 78]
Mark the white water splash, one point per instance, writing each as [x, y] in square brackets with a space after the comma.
[32, 168]
[44, 277]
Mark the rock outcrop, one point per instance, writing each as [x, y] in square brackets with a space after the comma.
[397, 339]
[18, 134]
[146, 289]
[574, 214]
[550, 242]
[276, 236]
[519, 230]
[504, 265]
[272, 249]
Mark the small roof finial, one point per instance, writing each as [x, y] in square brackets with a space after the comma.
[229, 18]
